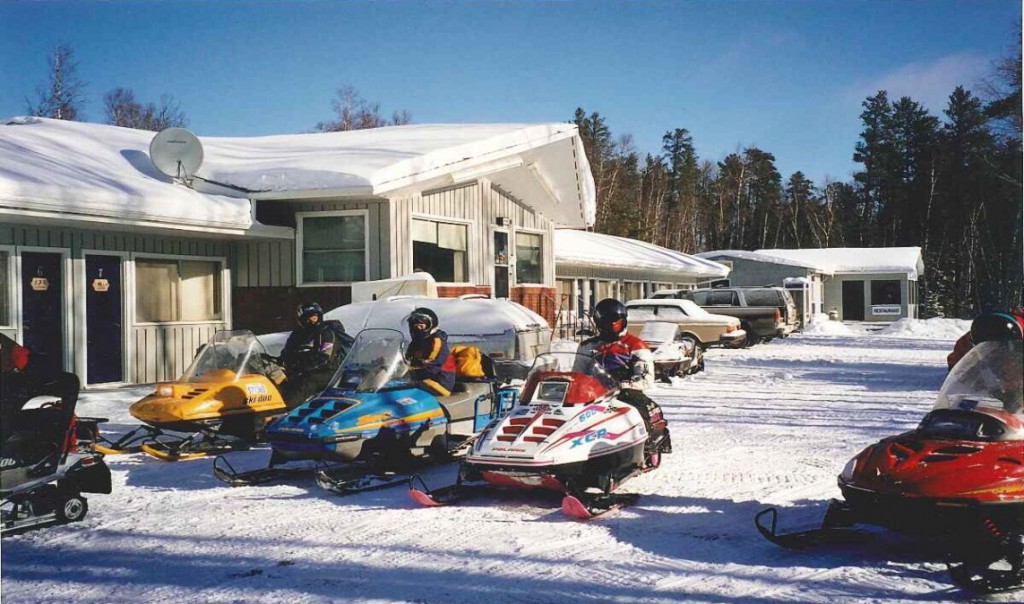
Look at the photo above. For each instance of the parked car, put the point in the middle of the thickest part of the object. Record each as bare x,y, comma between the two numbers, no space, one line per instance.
706,328
764,312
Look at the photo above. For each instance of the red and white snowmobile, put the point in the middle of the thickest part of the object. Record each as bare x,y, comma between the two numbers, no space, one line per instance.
568,433
958,476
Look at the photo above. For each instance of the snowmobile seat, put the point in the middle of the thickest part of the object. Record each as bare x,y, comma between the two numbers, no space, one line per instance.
461,403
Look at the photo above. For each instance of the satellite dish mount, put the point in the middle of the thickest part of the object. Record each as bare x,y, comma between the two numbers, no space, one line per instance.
177,153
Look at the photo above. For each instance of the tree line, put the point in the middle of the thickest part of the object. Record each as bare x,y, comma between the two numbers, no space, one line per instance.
63,94
950,185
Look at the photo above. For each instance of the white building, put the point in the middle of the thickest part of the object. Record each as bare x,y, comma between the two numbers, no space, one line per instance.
118,272
857,284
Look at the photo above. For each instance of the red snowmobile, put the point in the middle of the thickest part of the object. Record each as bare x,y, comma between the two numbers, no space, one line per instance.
958,476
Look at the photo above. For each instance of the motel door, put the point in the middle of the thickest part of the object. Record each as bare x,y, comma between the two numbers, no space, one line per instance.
42,285
502,263
104,341
853,300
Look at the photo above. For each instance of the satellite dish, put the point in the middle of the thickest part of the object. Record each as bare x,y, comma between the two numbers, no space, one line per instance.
176,152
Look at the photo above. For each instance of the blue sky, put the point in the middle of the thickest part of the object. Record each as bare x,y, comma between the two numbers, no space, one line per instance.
785,75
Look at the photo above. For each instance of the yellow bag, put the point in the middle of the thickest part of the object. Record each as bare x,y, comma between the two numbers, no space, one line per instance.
469,362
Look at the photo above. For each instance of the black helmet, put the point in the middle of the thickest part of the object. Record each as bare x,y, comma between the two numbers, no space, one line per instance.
422,316
610,319
305,313
995,326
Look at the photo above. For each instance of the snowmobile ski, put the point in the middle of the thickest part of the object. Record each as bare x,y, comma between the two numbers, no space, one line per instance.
173,448
346,480
585,506
831,531
226,472
127,443
988,578
448,495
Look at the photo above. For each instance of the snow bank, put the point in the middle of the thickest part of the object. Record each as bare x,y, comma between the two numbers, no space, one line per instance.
928,329
820,325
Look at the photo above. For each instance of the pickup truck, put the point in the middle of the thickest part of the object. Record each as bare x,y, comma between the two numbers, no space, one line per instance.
764,312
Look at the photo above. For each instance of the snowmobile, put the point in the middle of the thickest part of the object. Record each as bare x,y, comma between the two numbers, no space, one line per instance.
568,434
47,461
222,402
673,357
958,476
372,422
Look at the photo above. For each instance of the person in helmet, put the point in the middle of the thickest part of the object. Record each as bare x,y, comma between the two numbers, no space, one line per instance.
430,360
629,360
312,354
987,327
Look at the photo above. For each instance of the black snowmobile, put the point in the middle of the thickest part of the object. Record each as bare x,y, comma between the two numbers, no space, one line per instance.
47,459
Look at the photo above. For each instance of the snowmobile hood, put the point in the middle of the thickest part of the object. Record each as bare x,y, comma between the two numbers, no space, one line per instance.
541,435
913,466
199,401
342,415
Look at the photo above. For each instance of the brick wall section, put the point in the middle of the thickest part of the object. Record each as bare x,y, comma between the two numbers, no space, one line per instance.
454,291
541,300
271,309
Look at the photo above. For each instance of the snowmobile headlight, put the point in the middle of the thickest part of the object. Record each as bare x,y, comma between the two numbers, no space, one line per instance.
165,390
847,473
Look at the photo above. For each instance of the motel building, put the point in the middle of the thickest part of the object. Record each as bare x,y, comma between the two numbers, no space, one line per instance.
118,271
848,284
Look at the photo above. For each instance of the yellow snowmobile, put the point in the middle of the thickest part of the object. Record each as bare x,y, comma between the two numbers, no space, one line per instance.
222,403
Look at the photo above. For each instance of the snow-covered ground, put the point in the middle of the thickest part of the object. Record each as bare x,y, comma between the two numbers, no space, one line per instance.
773,424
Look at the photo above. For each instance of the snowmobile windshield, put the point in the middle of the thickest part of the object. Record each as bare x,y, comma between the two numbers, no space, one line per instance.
375,363
228,356
990,376
565,379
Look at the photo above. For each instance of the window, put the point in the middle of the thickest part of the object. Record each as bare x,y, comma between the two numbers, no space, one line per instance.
885,292
605,289
722,298
633,290
333,247
763,297
529,258
701,298
439,248
5,288
177,290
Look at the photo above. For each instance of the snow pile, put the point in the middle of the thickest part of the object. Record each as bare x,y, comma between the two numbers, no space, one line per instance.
928,329
820,325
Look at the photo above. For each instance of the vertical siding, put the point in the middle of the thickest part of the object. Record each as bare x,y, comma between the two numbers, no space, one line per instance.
156,352
481,205
163,352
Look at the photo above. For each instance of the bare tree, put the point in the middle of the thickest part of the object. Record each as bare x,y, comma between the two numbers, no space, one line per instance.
61,96
123,110
352,112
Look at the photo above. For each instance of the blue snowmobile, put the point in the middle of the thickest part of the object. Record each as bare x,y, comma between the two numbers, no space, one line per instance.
373,423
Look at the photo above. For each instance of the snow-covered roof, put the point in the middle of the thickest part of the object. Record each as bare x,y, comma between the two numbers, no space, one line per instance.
94,172
759,257
582,248
542,165
837,259
76,167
